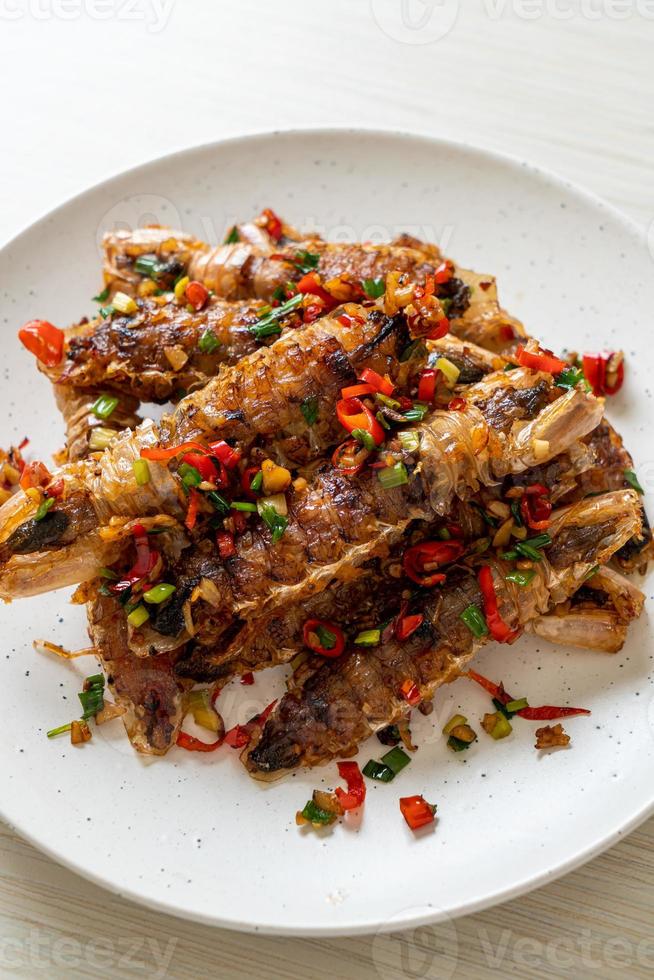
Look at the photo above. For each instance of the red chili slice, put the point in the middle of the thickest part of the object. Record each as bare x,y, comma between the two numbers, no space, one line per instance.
225,543
192,744
444,272
420,561
161,455
239,735
353,414
35,474
311,637
146,559
356,788
495,690
356,391
346,320
193,508
500,631
456,404
225,453
407,625
427,385
383,385
535,507
43,340
596,370
547,712
312,312
273,224
540,361
196,294
247,679
203,464
310,283
416,811
441,328
411,692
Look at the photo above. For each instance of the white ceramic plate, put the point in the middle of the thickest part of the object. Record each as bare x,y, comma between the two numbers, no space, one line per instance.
194,835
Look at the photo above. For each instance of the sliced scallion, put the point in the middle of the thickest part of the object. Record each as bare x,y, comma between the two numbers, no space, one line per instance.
517,705
104,406
59,731
377,770
417,412
521,578
368,638
219,502
103,296
314,814
44,507
309,409
269,324
365,438
396,760
633,481
232,237
275,521
141,471
306,261
393,476
409,440
374,288
159,593
191,477
244,506
257,482
148,266
475,620
138,616
209,343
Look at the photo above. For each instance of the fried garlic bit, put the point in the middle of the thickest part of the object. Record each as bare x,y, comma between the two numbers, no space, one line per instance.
550,736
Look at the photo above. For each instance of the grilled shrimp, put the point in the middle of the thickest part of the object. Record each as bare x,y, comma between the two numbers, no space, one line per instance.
508,425
169,250
347,699
596,617
85,432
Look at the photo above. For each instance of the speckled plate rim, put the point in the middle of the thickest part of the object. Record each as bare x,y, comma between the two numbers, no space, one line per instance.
496,897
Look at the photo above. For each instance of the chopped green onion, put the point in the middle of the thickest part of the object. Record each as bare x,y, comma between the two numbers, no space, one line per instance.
385,400
59,731
417,412
417,346
376,770
382,421
365,438
124,304
457,744
448,369
570,378
306,261
314,814
517,516
44,507
141,471
257,482
104,406
100,438
275,521
368,638
633,481
149,266
374,288
502,727
243,505
107,573
513,706
501,708
453,723
539,541
474,619
232,237
103,296
138,616
509,555
92,699
326,637
521,578
269,324
219,502
527,551
396,760
106,311
393,476
159,593
409,440
209,343
309,409
191,477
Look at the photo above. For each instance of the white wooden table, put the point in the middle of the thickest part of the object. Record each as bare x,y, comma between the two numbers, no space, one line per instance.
91,87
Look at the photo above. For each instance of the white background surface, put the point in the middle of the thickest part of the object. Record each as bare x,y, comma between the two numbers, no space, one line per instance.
84,97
